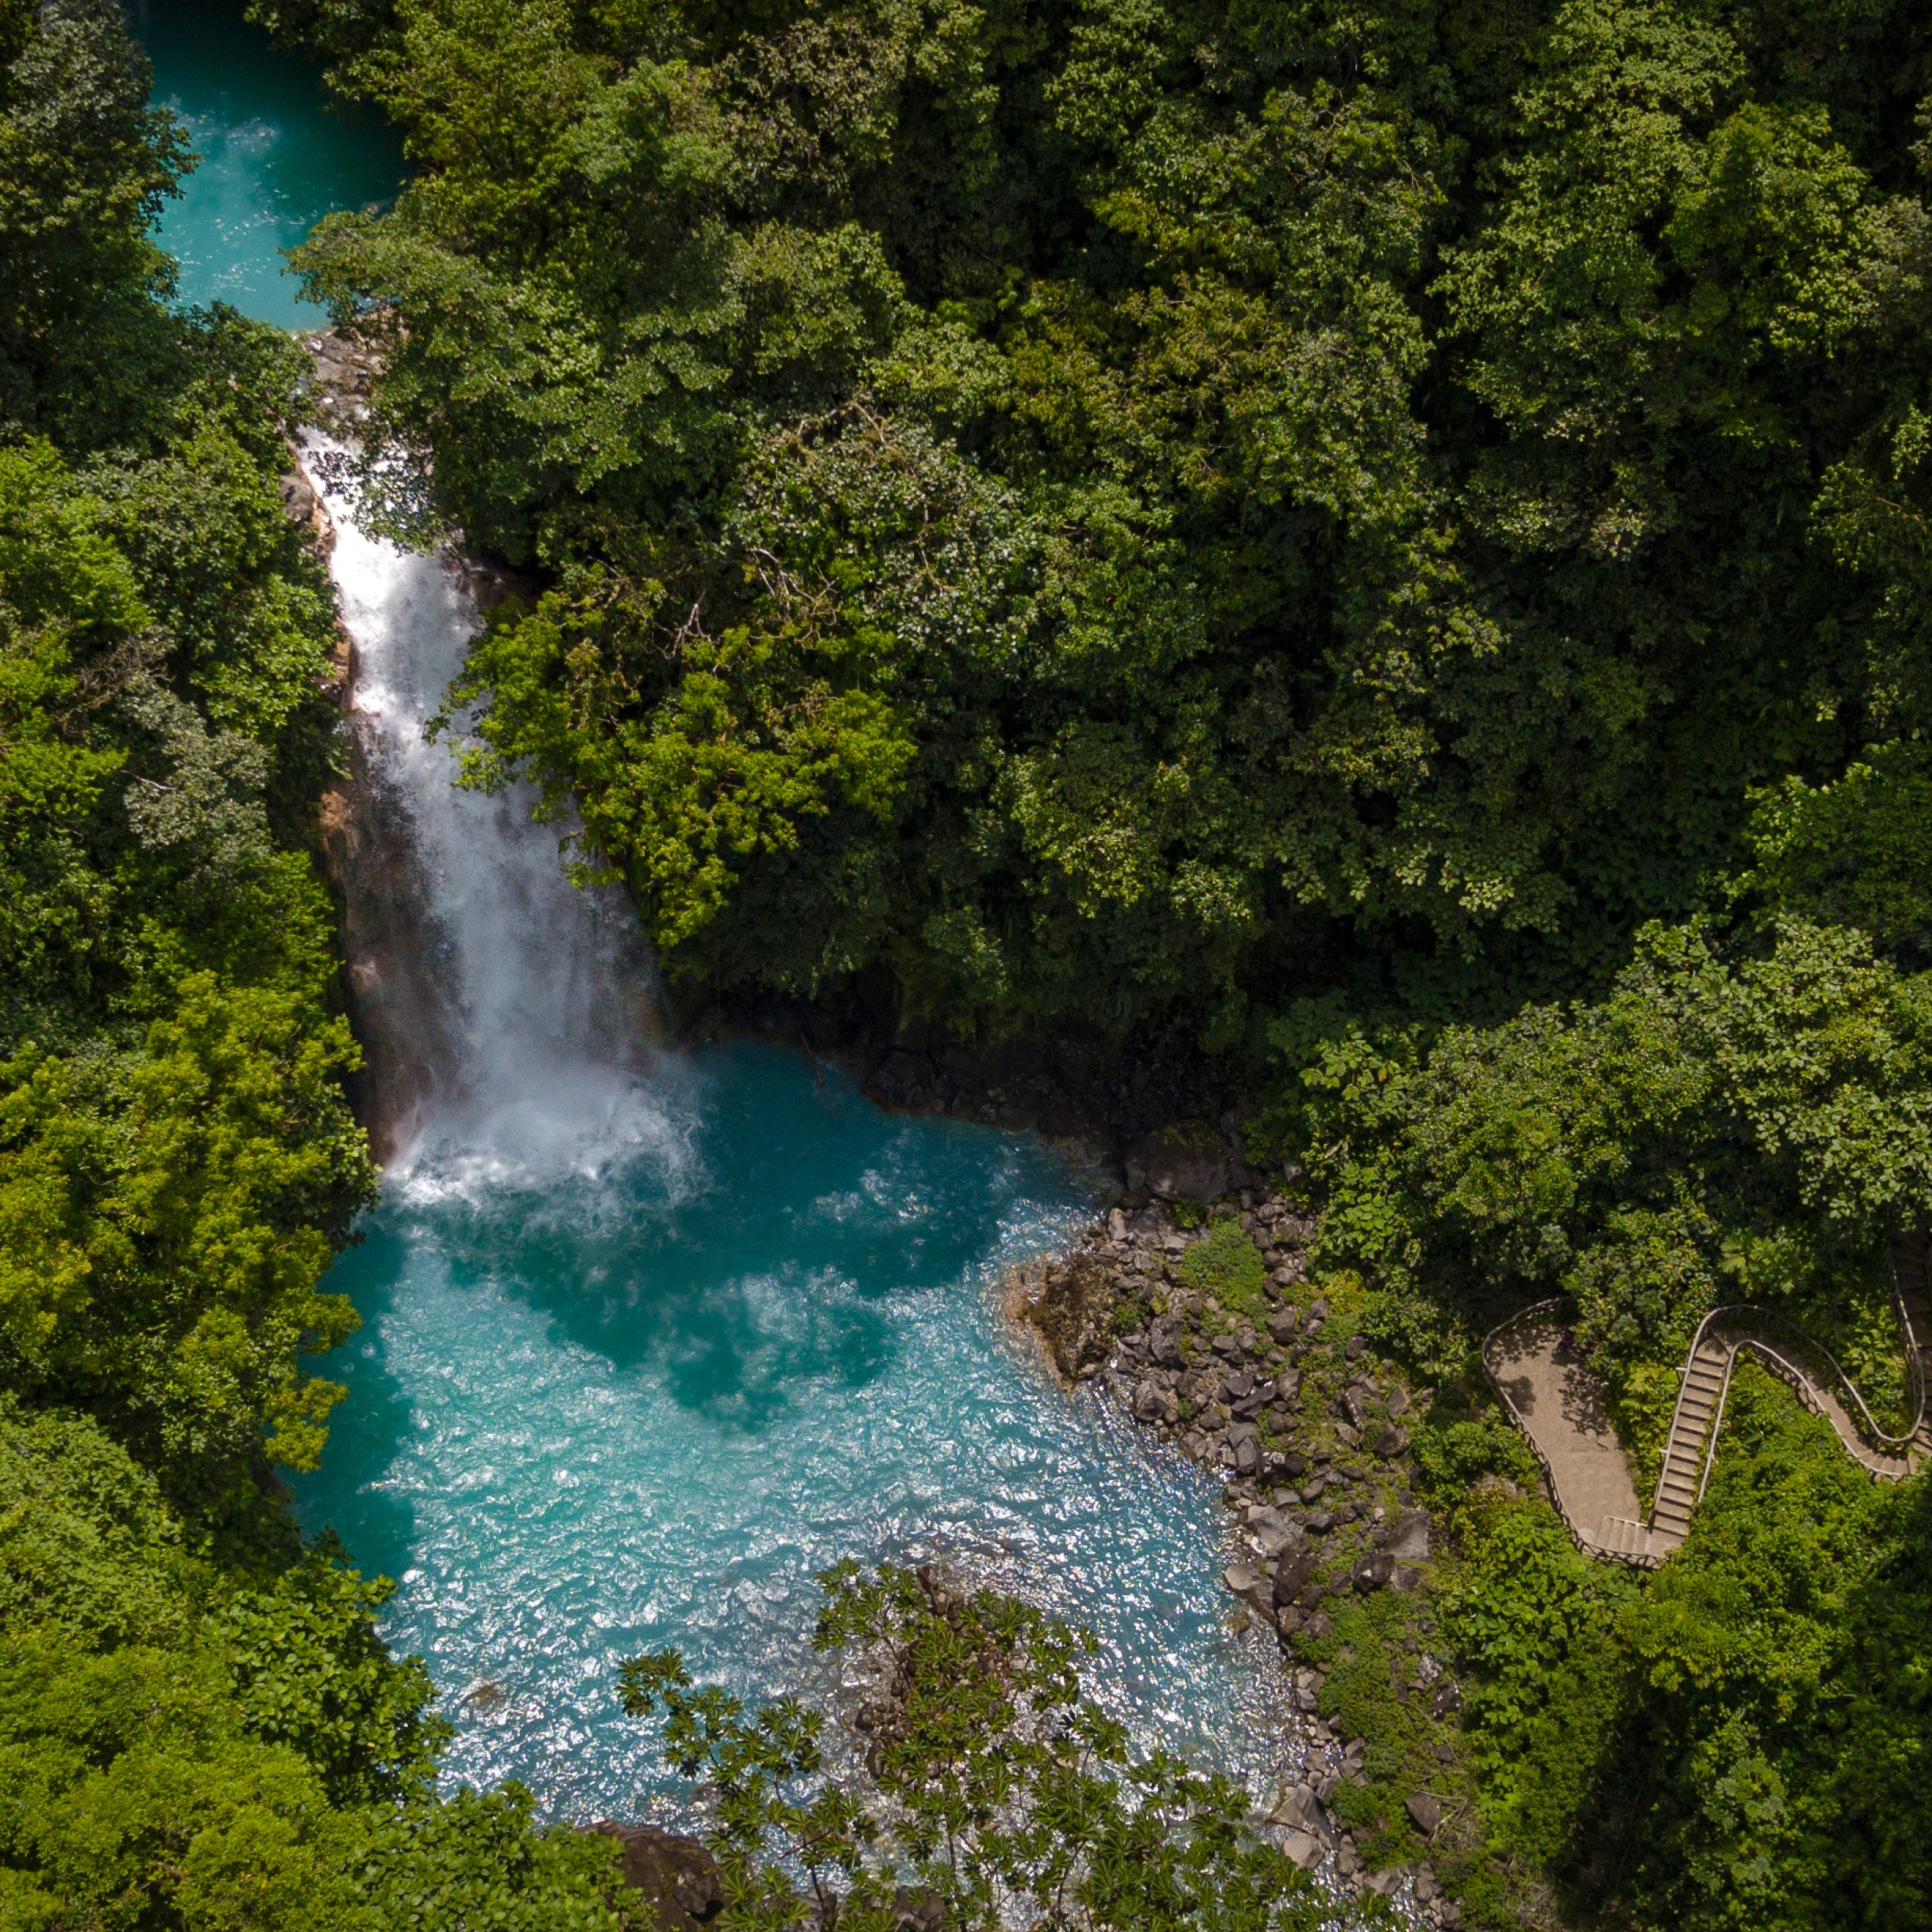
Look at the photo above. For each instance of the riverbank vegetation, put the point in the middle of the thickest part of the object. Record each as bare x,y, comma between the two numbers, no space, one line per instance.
998,1797
1387,544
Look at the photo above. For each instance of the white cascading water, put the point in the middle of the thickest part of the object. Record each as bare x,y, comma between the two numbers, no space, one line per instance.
522,1004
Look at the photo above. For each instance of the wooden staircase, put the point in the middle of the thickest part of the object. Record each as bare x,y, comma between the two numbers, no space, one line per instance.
1911,1288
1628,1542
1692,1431
1690,1446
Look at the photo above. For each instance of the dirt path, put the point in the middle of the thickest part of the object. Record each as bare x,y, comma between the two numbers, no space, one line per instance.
1555,1399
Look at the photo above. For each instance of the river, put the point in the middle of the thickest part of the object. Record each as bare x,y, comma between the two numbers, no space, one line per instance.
651,1337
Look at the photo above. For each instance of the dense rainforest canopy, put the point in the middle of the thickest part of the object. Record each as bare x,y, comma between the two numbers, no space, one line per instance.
201,1729
1111,513
1384,543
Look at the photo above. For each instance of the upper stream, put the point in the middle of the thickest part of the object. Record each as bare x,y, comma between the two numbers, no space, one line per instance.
272,162
651,1337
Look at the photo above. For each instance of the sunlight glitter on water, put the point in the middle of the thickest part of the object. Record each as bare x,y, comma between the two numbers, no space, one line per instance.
590,1417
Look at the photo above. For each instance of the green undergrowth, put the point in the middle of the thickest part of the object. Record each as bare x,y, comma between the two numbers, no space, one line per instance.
1225,1264
1406,1672
1649,1749
1612,1747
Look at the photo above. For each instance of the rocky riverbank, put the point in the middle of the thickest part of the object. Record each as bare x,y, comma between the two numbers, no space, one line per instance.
1205,1326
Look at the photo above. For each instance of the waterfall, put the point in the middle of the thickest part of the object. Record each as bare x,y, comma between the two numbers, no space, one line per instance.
508,1016
652,1339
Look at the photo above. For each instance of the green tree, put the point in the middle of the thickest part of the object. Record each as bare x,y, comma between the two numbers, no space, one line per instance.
999,1789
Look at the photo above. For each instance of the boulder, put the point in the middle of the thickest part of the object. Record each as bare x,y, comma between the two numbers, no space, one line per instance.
1303,1847
1187,1161
1277,1538
1408,1539
1374,1571
677,1876
1291,1576
1071,1304
1426,1809
1247,1582
1295,1806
